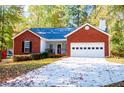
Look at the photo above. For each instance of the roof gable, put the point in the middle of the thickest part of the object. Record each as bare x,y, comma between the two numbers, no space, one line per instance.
25,31
84,26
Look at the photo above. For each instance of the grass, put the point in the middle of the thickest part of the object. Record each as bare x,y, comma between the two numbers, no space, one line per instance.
10,70
117,84
116,60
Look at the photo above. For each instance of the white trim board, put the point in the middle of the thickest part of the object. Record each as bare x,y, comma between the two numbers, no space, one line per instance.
42,45
84,26
55,40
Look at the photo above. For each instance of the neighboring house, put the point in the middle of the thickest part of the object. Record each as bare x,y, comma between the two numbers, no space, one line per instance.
85,41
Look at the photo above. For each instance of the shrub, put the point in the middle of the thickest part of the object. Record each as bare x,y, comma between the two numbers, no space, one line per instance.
36,56
51,55
49,51
56,55
44,55
22,58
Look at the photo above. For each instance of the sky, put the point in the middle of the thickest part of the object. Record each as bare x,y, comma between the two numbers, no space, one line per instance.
26,13
26,8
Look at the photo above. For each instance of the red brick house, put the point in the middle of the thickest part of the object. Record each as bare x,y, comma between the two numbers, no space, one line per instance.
85,41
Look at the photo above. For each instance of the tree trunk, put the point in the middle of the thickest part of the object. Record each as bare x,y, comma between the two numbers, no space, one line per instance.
78,16
2,30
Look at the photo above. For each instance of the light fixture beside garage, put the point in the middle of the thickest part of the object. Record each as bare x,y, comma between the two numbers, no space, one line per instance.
87,27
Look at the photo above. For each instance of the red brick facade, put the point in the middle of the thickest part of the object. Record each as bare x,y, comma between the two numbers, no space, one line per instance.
91,35
27,35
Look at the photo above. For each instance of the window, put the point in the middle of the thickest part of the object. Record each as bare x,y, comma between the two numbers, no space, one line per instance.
81,48
77,47
101,47
97,47
27,47
85,48
51,48
88,47
73,47
93,48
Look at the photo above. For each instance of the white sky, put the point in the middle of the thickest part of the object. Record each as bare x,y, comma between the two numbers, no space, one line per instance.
26,14
26,8
61,2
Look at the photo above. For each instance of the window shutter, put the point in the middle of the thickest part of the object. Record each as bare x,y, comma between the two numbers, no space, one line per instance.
30,46
23,46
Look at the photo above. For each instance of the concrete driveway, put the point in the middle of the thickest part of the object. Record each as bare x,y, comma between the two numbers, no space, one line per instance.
72,72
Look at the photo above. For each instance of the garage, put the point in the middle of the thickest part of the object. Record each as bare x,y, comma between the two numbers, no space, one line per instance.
87,41
87,49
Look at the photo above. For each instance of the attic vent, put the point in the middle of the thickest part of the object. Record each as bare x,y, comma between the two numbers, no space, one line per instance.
87,27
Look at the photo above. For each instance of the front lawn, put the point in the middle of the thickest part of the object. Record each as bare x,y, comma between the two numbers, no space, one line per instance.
116,60
10,70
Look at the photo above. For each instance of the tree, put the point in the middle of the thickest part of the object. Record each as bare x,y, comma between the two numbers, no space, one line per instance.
10,16
99,12
77,15
58,16
117,30
48,16
114,16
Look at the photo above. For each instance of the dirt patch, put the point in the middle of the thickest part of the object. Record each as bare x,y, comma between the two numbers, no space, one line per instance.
118,84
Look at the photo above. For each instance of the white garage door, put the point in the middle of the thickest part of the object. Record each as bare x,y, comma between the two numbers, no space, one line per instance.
87,49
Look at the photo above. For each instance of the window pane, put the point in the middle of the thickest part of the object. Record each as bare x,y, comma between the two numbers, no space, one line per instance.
88,47
73,47
51,46
27,50
97,47
81,48
93,48
77,48
27,44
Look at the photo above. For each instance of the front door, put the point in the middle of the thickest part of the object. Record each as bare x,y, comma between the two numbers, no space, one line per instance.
59,49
